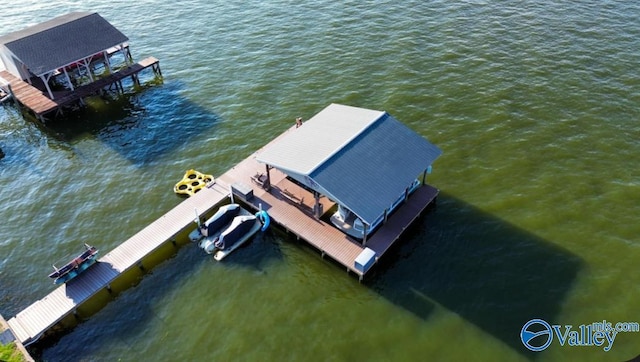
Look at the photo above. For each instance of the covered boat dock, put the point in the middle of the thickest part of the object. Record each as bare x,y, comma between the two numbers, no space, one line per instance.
366,162
57,63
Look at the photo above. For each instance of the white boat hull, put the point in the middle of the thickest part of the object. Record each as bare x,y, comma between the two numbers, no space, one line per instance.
207,243
222,253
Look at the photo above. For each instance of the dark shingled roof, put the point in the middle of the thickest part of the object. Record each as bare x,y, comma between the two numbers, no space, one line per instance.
62,41
373,170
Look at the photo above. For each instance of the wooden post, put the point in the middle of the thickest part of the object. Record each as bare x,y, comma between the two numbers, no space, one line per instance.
317,206
156,69
127,55
11,92
267,182
134,78
424,177
364,238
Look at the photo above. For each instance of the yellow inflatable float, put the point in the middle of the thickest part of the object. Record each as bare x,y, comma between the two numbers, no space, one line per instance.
192,182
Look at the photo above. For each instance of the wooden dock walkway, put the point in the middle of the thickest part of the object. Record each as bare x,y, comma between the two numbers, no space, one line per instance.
28,95
40,104
288,204
32,322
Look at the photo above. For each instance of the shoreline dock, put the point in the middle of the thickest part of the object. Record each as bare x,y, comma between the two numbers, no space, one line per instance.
289,205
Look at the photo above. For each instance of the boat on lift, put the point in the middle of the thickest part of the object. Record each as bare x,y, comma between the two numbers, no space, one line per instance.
229,228
216,223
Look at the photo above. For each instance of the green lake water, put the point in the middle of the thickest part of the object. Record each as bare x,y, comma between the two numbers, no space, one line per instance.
534,104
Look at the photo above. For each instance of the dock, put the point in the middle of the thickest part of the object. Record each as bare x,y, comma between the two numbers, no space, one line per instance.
37,102
290,205
31,323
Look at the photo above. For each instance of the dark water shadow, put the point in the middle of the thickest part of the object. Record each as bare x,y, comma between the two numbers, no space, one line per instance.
124,315
257,252
77,288
492,273
141,126
129,314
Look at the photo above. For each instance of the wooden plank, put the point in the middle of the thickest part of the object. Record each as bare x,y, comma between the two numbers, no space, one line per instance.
28,95
295,217
34,320
401,219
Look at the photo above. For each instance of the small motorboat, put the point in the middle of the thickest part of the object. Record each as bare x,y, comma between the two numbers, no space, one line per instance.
240,230
76,266
230,235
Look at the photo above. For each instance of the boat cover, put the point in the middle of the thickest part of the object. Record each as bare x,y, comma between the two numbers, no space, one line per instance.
221,218
239,227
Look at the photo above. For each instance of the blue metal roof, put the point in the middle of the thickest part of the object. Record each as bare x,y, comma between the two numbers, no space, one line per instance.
368,174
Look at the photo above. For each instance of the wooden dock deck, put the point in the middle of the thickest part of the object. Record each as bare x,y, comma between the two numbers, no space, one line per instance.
29,324
288,204
40,104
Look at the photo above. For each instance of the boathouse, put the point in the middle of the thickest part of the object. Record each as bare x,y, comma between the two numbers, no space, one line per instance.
364,160
62,60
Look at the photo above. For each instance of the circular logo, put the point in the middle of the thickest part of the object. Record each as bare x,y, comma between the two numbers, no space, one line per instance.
536,335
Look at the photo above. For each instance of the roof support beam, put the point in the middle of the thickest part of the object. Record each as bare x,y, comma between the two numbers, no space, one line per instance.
66,74
107,62
45,80
86,62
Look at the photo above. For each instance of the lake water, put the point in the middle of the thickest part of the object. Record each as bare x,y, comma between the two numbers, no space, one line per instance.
534,104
